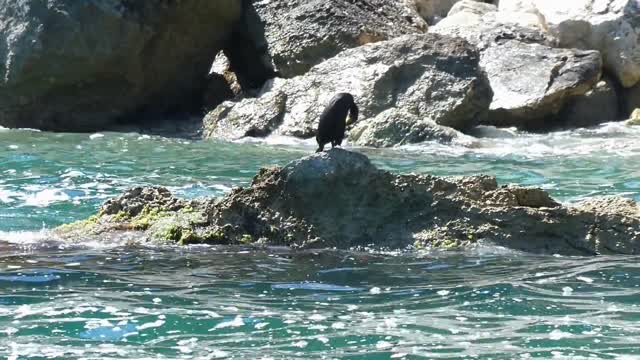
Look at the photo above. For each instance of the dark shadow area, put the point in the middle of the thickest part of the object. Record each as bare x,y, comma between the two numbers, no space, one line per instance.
248,51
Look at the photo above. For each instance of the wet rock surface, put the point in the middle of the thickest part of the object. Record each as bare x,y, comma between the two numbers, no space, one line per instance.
340,199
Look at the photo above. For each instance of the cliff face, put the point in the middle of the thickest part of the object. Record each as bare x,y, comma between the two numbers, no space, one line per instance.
83,65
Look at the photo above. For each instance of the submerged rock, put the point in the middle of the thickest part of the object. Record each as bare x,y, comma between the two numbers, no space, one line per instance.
82,65
430,76
340,199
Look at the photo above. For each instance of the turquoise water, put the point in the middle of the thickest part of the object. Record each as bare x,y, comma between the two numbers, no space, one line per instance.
117,301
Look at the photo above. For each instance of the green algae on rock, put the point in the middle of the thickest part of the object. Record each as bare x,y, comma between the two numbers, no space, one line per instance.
340,199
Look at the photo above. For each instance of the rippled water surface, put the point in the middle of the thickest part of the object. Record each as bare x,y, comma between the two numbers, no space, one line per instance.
107,301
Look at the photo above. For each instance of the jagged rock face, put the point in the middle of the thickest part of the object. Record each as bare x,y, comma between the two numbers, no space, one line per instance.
340,199
302,33
609,26
427,75
532,81
81,65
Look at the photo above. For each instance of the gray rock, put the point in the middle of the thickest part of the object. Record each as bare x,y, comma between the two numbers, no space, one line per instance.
257,118
432,10
430,76
611,27
483,26
340,199
532,83
598,105
299,34
398,127
81,65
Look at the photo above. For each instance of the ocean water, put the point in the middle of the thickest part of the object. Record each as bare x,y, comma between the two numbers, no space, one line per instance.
105,300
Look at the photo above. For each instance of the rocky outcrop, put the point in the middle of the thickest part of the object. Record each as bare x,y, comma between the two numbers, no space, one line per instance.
611,27
339,199
427,75
532,81
298,34
81,65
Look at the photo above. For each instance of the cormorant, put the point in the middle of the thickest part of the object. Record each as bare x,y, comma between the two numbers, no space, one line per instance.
333,120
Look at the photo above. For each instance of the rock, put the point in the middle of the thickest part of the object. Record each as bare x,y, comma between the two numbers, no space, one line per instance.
397,127
222,67
611,27
217,91
430,76
257,118
532,83
598,105
634,120
432,10
340,199
631,99
83,65
299,34
482,25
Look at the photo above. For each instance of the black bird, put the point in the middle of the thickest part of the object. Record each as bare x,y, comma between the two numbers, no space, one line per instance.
333,120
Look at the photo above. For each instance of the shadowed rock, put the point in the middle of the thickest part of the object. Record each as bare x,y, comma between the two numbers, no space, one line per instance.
340,199
84,65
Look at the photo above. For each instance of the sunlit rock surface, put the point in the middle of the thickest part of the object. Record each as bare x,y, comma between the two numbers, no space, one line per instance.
433,77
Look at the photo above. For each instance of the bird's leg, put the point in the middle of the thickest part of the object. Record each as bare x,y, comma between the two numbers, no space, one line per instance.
333,144
320,148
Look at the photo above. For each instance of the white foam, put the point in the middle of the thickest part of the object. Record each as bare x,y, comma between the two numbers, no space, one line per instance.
46,197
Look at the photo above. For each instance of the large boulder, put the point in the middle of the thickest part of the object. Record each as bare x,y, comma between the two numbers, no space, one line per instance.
81,65
299,34
340,199
611,27
427,75
532,81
